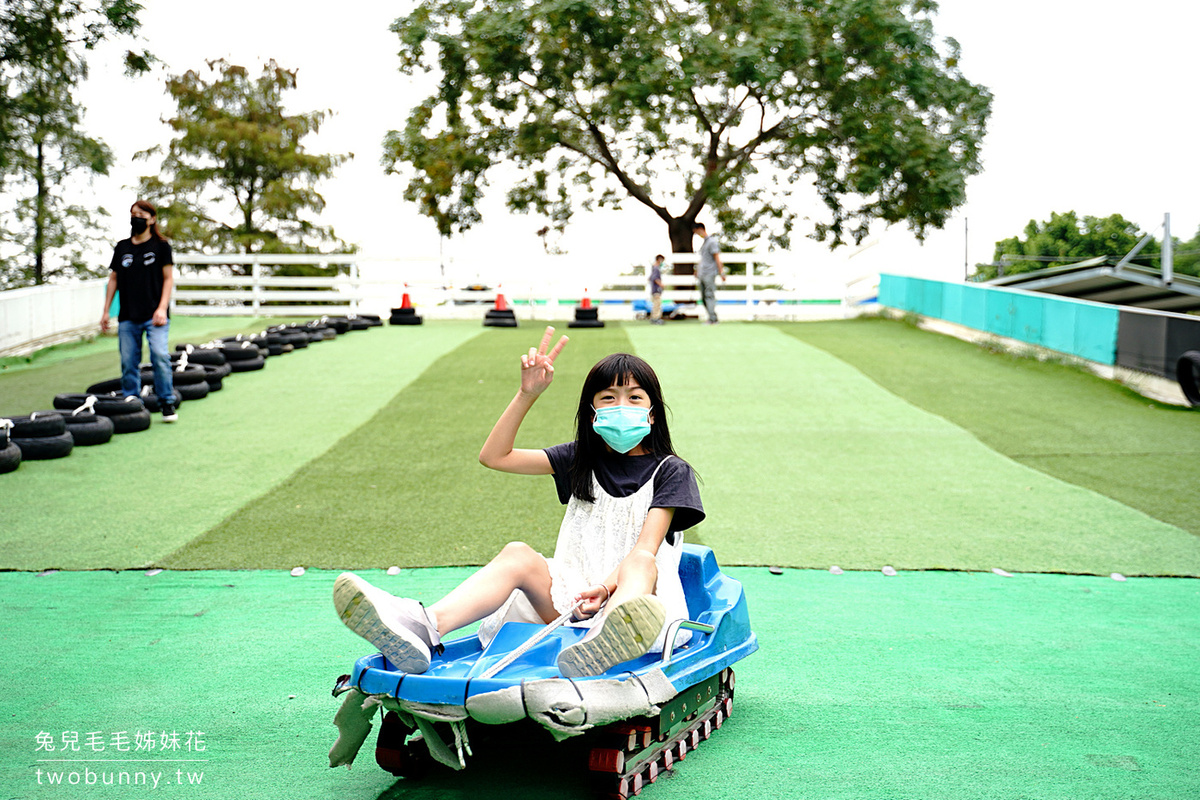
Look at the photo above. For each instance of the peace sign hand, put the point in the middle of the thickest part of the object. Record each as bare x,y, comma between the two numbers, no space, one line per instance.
537,366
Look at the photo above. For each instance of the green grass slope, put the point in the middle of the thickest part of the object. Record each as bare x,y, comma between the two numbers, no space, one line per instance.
1056,419
407,488
807,462
143,495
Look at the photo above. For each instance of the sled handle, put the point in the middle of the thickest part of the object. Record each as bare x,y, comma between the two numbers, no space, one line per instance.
673,631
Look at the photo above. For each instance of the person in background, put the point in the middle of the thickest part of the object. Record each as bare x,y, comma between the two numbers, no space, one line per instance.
142,271
707,270
656,288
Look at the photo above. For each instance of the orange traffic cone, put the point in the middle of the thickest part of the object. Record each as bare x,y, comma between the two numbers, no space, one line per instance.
501,316
405,314
586,315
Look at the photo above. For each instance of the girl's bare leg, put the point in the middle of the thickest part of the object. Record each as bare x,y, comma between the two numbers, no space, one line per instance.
517,566
637,576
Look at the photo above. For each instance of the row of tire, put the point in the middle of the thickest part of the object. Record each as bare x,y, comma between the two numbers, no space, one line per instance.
94,416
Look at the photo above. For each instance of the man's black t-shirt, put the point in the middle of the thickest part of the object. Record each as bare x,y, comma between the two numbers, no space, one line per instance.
139,269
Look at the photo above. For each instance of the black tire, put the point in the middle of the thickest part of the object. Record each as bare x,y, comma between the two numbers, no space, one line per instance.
586,323
587,314
192,373
358,324
411,319
213,376
240,351
90,429
105,387
248,365
339,324
37,425
10,458
131,423
106,404
258,339
209,356
193,391
321,330
1187,370
42,448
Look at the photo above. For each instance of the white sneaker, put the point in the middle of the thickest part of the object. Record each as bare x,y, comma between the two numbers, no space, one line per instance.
627,632
403,630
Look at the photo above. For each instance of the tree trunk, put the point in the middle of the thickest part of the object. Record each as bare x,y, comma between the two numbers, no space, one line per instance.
39,222
680,232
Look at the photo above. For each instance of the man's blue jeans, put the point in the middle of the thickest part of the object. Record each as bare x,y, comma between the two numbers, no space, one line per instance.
130,336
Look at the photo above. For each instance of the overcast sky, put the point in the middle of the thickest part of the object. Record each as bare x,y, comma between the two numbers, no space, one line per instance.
1094,111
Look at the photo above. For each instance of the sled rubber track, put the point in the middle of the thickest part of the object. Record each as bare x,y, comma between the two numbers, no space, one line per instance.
635,753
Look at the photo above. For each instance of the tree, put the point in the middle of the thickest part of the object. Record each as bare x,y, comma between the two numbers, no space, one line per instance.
1187,256
1066,239
237,175
733,106
42,143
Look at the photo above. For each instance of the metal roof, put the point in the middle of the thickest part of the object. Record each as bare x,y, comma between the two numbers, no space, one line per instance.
1100,280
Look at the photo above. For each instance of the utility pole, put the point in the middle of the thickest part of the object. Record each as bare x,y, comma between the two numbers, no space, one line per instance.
966,248
1168,251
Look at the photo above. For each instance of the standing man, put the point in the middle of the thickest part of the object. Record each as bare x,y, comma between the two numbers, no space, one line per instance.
656,288
707,270
142,272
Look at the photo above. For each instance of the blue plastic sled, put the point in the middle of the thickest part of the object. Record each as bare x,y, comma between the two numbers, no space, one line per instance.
656,707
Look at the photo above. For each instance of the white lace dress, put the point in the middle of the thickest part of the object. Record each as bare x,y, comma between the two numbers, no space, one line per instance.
593,540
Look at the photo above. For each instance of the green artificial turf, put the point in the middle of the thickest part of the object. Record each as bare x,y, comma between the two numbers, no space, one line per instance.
362,452
143,495
807,462
920,686
407,488
1055,418
29,383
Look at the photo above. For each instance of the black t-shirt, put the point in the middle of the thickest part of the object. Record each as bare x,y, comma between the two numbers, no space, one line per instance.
139,269
621,475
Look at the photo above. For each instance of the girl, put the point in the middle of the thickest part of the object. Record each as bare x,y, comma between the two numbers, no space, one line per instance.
616,563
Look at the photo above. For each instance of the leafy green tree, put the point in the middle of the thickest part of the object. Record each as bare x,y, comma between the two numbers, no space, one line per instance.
1187,256
1067,239
43,147
236,177
738,107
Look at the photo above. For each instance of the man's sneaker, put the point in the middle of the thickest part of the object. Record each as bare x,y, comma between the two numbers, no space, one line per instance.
403,630
626,632
169,414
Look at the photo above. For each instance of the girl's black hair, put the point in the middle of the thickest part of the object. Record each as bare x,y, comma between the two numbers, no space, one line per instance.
148,207
617,370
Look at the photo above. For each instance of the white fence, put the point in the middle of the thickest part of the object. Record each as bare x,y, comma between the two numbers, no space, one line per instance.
39,316
373,286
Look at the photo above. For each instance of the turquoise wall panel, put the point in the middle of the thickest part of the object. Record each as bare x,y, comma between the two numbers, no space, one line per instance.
1077,327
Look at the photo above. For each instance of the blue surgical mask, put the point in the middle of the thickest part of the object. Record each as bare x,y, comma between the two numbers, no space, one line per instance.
622,427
